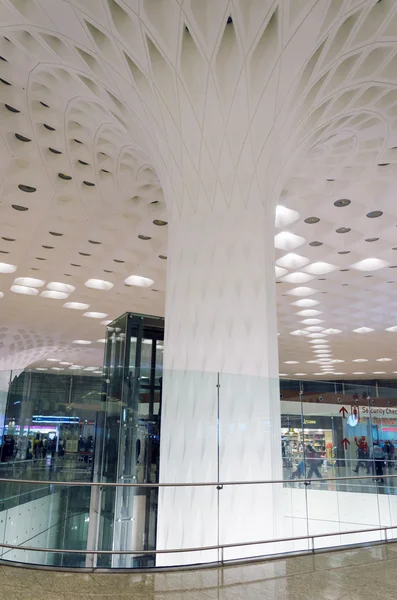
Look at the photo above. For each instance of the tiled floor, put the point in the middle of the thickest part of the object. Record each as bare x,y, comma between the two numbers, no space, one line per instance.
363,574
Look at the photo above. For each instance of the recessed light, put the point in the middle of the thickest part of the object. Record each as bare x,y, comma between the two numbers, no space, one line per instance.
55,233
344,252
62,362
384,359
144,237
95,315
309,313
23,289
302,291
57,369
312,321
54,295
29,281
305,302
94,242
300,374
372,240
392,329
343,230
76,305
99,284
360,360
159,222
374,214
359,373
370,264
291,362
139,281
378,372
162,256
363,330
6,268
292,261
19,207
299,332
27,188
288,241
342,202
320,268
101,341
41,369
315,244
297,277
56,286
282,375
53,359
311,220
332,331
82,342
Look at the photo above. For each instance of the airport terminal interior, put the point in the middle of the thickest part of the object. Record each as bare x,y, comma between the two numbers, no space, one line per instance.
198,299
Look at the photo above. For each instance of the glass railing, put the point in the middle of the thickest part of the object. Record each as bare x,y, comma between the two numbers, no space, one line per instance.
61,527
89,480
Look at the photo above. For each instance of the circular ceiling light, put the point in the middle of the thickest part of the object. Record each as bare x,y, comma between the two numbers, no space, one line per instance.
315,244
56,286
159,223
360,360
344,252
342,202
82,343
23,289
95,315
332,331
312,220
392,329
19,207
374,214
384,359
363,330
6,268
291,362
55,233
343,230
29,281
99,284
139,281
372,239
62,362
144,237
54,295
76,305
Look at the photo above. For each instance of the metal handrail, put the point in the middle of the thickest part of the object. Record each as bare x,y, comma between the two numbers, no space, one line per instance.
200,548
195,484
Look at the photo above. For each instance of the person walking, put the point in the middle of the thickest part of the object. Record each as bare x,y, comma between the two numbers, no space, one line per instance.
314,461
362,455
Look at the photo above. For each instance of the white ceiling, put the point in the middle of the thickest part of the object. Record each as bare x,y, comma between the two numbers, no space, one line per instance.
78,74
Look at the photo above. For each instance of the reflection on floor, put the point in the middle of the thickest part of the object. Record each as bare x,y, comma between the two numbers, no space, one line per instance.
360,574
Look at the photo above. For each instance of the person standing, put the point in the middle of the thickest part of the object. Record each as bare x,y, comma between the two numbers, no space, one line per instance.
378,456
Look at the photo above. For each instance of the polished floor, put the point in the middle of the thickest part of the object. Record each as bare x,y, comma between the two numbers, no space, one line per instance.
360,574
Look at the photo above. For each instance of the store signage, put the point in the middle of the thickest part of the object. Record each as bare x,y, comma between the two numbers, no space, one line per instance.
378,411
54,419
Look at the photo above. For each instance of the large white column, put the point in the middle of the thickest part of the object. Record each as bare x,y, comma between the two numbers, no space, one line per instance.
220,319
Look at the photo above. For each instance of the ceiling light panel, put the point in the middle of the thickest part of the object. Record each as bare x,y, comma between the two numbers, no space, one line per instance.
370,264
292,261
95,315
288,241
320,268
29,282
6,268
302,291
99,284
297,277
76,305
23,289
139,281
54,295
285,217
56,286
